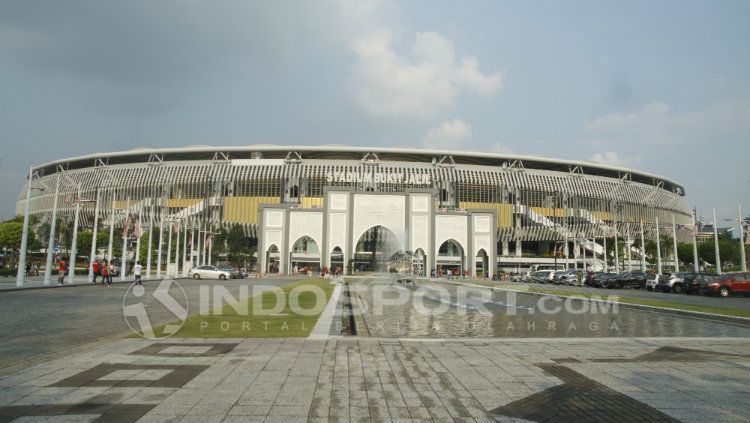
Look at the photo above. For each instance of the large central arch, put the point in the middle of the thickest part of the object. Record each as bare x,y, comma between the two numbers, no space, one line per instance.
374,248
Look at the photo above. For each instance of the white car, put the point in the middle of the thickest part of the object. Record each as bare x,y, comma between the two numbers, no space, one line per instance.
651,282
209,272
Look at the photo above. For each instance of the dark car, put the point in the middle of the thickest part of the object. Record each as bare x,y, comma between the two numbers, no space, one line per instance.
692,282
671,282
598,279
634,279
729,284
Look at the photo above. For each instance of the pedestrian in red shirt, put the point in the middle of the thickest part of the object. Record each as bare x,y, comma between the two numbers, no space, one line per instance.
61,275
95,269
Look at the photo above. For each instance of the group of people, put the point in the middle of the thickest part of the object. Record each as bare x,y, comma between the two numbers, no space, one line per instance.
104,269
32,269
107,269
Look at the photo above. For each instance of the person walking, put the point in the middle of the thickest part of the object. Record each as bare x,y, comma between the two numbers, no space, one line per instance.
28,269
110,272
61,269
105,272
95,267
137,272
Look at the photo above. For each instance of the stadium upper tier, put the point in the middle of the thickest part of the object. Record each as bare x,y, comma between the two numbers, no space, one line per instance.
534,197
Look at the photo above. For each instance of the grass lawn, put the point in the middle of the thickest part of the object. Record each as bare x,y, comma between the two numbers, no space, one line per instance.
226,322
726,311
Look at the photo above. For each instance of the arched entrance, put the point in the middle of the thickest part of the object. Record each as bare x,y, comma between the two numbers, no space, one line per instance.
305,256
374,249
482,263
420,262
337,259
450,258
272,259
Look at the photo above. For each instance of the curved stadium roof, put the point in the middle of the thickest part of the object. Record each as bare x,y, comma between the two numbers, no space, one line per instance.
340,152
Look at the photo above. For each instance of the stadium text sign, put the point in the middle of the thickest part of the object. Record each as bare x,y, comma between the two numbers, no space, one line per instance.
379,177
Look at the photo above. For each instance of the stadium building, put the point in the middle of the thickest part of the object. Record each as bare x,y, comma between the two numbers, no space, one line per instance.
350,207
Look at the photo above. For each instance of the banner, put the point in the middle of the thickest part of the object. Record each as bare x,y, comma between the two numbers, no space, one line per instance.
126,226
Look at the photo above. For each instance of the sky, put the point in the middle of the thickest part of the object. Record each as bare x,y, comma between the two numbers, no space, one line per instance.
659,86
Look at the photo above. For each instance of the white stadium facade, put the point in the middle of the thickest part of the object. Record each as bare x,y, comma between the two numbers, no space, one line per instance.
350,207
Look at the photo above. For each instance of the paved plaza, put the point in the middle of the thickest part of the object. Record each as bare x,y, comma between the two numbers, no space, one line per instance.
377,380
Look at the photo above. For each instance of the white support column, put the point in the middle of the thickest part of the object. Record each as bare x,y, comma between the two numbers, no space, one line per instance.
203,245
161,243
21,274
505,249
643,249
674,246
74,244
716,245
184,256
52,228
124,259
150,238
617,253
566,250
210,247
169,249
176,269
658,248
92,254
743,259
629,247
197,248
519,252
111,228
606,259
138,235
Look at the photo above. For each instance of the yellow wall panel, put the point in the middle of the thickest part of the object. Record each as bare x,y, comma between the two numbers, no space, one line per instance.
245,209
504,211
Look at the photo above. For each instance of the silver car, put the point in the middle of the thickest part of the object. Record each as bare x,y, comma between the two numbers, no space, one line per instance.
209,272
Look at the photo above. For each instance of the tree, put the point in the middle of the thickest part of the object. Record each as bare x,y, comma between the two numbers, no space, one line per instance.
11,232
685,252
233,242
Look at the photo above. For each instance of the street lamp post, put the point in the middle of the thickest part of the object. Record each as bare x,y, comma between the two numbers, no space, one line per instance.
21,274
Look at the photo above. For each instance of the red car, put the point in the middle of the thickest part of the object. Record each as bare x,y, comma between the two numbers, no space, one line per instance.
728,284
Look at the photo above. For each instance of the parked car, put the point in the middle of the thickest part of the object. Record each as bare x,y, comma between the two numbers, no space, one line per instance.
692,282
234,272
652,281
634,279
543,276
566,277
671,282
209,272
729,284
598,279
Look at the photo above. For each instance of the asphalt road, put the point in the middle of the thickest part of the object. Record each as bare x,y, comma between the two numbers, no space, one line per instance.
38,322
737,302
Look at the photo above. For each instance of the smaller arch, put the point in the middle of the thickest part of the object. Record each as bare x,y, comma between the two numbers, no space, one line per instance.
272,259
481,263
450,258
304,255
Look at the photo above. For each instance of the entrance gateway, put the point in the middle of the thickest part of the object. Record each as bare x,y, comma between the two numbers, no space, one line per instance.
357,230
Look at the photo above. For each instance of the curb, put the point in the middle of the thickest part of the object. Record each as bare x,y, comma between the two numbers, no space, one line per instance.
744,321
68,285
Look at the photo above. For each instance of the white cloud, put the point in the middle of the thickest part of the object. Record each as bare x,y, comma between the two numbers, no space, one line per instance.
421,83
448,135
657,123
612,158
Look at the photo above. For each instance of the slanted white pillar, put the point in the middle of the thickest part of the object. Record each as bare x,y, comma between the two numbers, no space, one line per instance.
74,244
126,224
92,255
52,228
